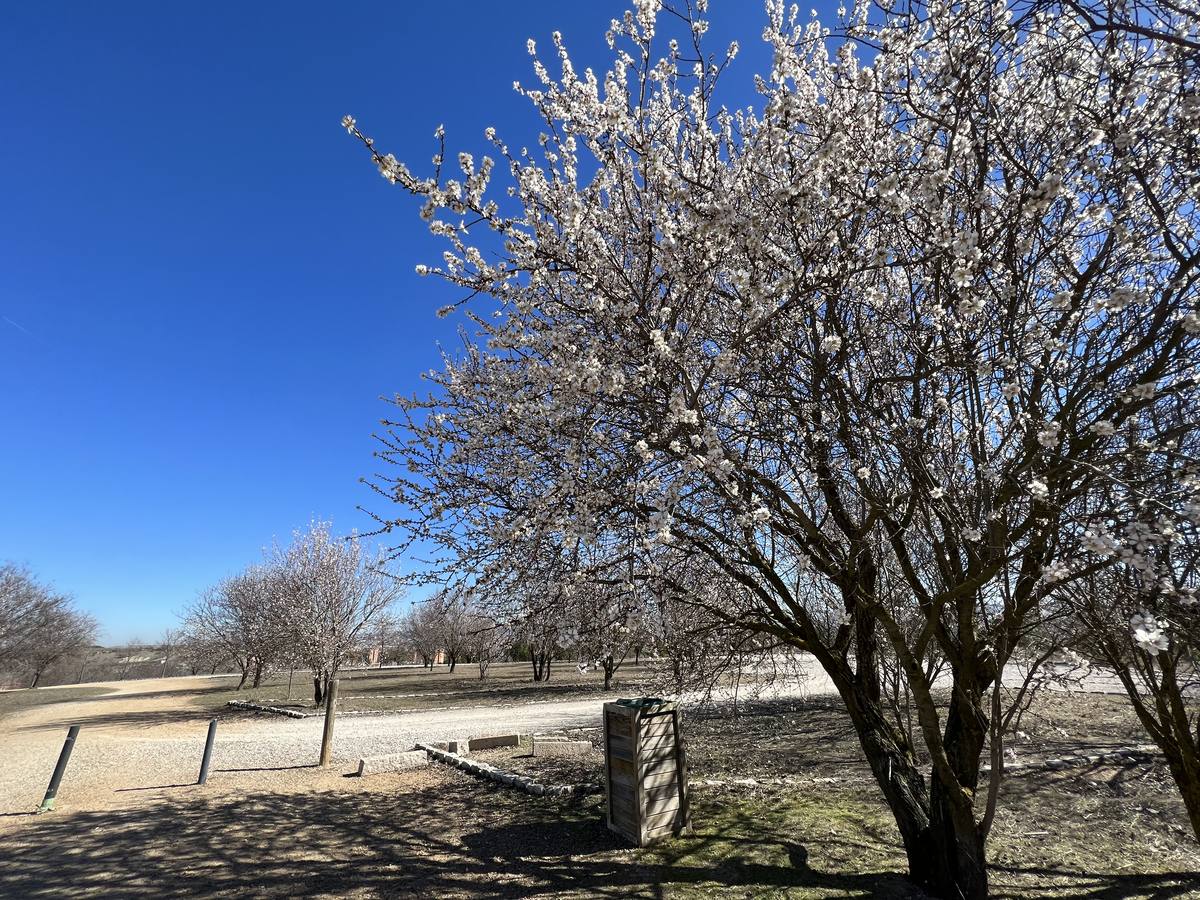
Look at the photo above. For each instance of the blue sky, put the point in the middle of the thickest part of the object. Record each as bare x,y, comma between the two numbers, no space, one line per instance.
205,286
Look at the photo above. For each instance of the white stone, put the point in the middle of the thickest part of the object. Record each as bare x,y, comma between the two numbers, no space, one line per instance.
393,762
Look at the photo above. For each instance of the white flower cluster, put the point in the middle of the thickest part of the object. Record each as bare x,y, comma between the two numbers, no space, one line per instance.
1149,633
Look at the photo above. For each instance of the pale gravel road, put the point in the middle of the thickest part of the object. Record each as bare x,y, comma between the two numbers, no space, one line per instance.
132,740
146,735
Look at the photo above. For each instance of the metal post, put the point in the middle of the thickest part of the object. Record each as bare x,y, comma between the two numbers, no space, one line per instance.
56,778
330,711
208,745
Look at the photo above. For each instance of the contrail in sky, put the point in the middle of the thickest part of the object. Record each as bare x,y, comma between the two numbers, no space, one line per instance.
16,325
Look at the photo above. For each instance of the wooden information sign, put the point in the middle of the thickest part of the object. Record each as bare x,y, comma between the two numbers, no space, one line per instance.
645,776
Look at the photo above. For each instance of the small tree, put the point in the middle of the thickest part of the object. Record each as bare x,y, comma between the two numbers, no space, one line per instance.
199,652
333,591
21,596
1147,630
486,639
39,626
59,631
451,617
241,618
421,632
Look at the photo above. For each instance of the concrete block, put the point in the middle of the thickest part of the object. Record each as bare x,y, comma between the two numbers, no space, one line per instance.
393,762
458,747
493,741
561,748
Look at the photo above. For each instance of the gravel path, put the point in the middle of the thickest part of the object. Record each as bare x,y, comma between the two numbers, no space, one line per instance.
145,735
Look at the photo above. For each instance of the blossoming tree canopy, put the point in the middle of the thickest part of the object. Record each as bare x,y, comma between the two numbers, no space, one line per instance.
885,351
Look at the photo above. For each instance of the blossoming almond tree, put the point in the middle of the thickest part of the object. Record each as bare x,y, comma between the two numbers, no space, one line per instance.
333,590
1141,617
873,351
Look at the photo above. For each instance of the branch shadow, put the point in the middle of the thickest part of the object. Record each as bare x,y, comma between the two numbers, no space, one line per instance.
136,718
1090,886
272,768
400,844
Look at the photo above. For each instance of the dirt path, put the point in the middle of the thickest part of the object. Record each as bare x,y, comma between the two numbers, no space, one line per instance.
149,735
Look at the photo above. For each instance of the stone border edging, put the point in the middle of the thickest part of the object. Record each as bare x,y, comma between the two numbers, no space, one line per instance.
277,710
1069,762
508,779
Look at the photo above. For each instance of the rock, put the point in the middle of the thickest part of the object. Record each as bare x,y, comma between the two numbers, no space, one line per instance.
393,762
493,741
542,747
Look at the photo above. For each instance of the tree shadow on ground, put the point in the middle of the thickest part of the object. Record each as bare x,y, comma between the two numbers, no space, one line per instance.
136,718
403,844
456,839
1089,886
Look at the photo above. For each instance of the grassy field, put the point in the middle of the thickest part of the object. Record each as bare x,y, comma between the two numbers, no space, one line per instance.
16,701
410,689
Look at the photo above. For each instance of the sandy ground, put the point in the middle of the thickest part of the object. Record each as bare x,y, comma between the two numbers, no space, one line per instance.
149,735
145,735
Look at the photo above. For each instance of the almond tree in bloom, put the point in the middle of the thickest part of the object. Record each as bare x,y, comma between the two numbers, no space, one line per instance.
242,618
421,632
1140,617
333,590
875,350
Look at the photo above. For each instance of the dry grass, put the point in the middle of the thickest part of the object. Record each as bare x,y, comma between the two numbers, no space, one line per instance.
413,689
17,701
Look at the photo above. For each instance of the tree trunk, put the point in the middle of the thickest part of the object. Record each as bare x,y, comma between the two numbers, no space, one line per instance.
1187,779
245,675
942,840
258,674
37,676
318,690
453,661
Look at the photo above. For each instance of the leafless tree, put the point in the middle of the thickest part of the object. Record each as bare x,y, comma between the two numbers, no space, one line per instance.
242,618
20,597
421,632
39,626
486,639
58,632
